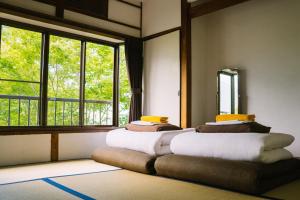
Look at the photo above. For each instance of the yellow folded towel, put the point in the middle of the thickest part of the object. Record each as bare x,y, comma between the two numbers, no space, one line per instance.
158,119
239,117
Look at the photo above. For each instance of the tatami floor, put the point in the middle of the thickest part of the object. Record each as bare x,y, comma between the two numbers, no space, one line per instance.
89,180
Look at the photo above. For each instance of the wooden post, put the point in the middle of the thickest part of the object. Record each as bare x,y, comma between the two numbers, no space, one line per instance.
185,66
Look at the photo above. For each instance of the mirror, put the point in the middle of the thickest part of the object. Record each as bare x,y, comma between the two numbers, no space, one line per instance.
228,96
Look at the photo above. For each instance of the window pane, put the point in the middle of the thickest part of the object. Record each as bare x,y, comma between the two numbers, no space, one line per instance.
20,54
99,84
19,61
63,81
225,94
125,92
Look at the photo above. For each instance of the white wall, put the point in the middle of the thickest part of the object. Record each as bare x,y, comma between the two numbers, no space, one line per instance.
262,37
162,77
79,145
124,13
198,72
23,149
160,15
162,59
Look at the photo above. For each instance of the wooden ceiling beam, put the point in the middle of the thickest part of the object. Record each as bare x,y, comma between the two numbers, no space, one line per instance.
212,6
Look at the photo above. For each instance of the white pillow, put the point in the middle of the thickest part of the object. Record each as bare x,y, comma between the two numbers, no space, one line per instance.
277,140
274,156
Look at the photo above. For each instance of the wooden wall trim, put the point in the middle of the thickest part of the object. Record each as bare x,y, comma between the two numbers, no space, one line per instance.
130,4
59,10
50,130
141,20
21,12
123,24
161,33
212,6
51,31
82,83
185,66
54,147
44,79
60,7
116,87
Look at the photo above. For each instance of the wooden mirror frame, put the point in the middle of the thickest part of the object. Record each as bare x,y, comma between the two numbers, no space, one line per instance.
232,72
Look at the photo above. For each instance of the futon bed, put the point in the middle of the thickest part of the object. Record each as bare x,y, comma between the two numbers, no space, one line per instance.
242,176
126,159
247,162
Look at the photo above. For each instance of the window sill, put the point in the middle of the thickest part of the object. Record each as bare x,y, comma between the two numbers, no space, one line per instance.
49,130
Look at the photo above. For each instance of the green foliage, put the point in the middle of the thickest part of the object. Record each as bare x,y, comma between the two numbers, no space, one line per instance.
99,72
64,68
20,60
63,80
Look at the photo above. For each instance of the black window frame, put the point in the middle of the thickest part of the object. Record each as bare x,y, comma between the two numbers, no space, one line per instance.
46,32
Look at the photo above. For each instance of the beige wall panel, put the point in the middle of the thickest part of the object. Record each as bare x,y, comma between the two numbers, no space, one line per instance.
55,27
162,77
198,71
160,15
32,5
79,145
135,2
23,149
262,38
121,12
77,17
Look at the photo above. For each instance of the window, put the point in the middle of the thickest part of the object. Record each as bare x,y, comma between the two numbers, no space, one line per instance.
125,92
99,76
19,77
63,81
80,77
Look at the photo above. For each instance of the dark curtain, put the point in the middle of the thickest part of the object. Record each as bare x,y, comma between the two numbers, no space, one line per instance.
134,60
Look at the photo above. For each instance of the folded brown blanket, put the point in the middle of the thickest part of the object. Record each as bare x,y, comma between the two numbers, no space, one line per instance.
125,158
152,128
234,128
249,177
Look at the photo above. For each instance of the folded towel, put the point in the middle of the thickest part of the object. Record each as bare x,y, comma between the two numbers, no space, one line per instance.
233,146
143,123
239,117
244,127
152,128
230,122
159,119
